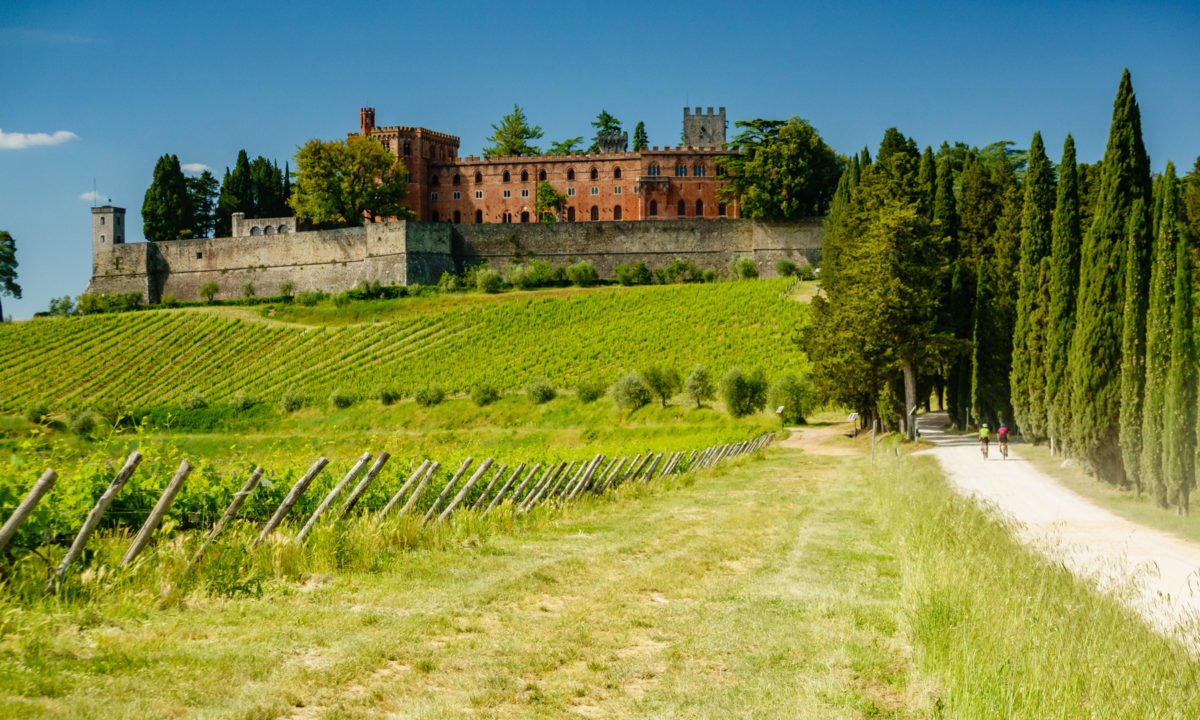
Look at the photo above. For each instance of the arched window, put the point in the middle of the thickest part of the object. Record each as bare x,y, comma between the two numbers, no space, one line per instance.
283,228
256,230
507,217
720,170
478,217
617,212
457,217
570,214
101,237
524,176
407,149
571,173
433,180
681,170
269,230
542,175
699,171
595,173
507,177
654,170
682,208
653,208
699,208
721,209
457,179
478,177
595,213
524,216
617,173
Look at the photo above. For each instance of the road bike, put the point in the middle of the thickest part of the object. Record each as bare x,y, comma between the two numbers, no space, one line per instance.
1003,449
983,448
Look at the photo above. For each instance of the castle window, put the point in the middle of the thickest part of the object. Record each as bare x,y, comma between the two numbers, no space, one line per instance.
682,209
283,228
434,216
595,173
256,230
699,171
525,216
617,173
478,194
101,238
721,209
101,219
433,196
507,217
617,213
681,171
571,192
508,193
595,190
457,217
571,173
653,208
407,149
617,190
478,177
118,219
408,178
457,195
478,217
699,208
457,179
269,230
525,192
524,176
118,240
507,176
570,214
199,256
653,170
433,180
595,212
542,175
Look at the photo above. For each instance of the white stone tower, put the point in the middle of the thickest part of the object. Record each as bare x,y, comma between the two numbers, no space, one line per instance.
704,129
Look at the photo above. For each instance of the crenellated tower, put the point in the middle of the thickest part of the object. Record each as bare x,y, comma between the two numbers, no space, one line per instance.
704,129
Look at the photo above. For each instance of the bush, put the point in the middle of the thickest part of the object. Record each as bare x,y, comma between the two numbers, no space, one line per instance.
292,400
540,391
248,290
680,271
631,392
662,381
169,300
808,272
94,303
81,421
533,274
794,394
243,400
388,395
38,412
590,391
429,395
710,275
583,273
786,268
488,280
341,399
636,274
373,290
484,394
193,401
342,299
209,290
308,298
62,306
449,282
743,268
698,388
287,288
744,394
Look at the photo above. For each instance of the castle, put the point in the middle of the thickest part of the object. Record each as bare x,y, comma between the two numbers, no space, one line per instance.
652,206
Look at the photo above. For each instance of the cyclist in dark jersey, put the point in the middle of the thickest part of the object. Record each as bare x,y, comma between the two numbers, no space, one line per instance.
1002,439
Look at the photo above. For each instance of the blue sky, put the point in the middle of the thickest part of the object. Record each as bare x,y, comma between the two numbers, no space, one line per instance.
128,82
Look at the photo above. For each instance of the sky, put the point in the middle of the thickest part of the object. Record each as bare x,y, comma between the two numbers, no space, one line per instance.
92,93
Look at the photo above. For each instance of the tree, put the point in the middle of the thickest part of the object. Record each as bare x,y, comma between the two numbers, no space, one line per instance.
549,204
565,147
793,393
663,381
267,197
512,136
743,394
8,269
698,387
783,170
1028,377
1179,413
1159,326
641,141
927,180
347,181
209,290
1133,339
1095,359
631,392
1066,242
167,206
237,194
1191,200
605,124
202,192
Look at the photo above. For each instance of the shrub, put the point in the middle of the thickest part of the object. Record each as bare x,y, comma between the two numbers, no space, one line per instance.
109,412
743,394
292,400
484,394
342,299
635,274
488,280
786,268
388,395
662,381
710,275
429,395
533,274
743,268
449,282
583,273
209,290
243,400
540,391
590,391
680,271
62,306
808,272
698,388
631,392
38,412
341,398
287,288
93,303
309,298
81,421
794,394
193,401
169,300
248,290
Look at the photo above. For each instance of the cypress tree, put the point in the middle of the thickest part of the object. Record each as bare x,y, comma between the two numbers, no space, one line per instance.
1133,339
1064,287
1191,201
1095,359
927,181
1036,213
985,401
1006,245
1179,415
945,209
167,205
1159,323
640,140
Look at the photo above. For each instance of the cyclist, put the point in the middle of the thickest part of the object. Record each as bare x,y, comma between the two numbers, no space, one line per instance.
984,436
1002,439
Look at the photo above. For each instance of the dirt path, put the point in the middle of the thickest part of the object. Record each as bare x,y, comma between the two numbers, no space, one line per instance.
1155,572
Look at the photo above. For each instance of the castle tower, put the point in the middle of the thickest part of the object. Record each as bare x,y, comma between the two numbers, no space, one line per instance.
366,121
704,129
108,228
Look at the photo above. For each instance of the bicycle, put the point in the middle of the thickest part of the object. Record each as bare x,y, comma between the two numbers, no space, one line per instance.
983,448
1003,449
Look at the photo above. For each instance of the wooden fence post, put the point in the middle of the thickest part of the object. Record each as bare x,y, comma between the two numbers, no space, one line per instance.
599,475
446,490
156,515
337,489
535,494
361,488
500,495
611,474
520,492
483,468
574,480
93,517
414,477
40,488
488,490
292,497
430,473
230,512
567,478
573,492
653,466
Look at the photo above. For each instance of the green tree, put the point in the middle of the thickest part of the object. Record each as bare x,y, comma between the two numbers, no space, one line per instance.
202,192
1179,413
266,189
631,392
1159,325
512,136
549,204
1066,243
1133,339
782,170
640,140
605,123
347,181
1028,377
663,381
927,180
743,393
698,387
1191,200
1095,359
167,206
8,269
209,290
793,393
569,146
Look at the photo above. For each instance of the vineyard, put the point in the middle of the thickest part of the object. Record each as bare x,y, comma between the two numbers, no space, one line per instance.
157,357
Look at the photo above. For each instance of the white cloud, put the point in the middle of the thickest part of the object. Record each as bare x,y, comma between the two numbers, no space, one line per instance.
93,196
16,141
195,168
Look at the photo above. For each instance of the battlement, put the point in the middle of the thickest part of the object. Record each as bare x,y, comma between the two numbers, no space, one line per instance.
580,157
688,113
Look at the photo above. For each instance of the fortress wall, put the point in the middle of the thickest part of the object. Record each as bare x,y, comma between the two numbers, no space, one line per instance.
799,242
119,268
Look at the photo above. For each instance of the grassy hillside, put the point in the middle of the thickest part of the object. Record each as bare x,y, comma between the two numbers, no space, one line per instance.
157,357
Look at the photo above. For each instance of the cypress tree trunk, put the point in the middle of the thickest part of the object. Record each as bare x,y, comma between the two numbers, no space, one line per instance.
1158,354
1064,286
